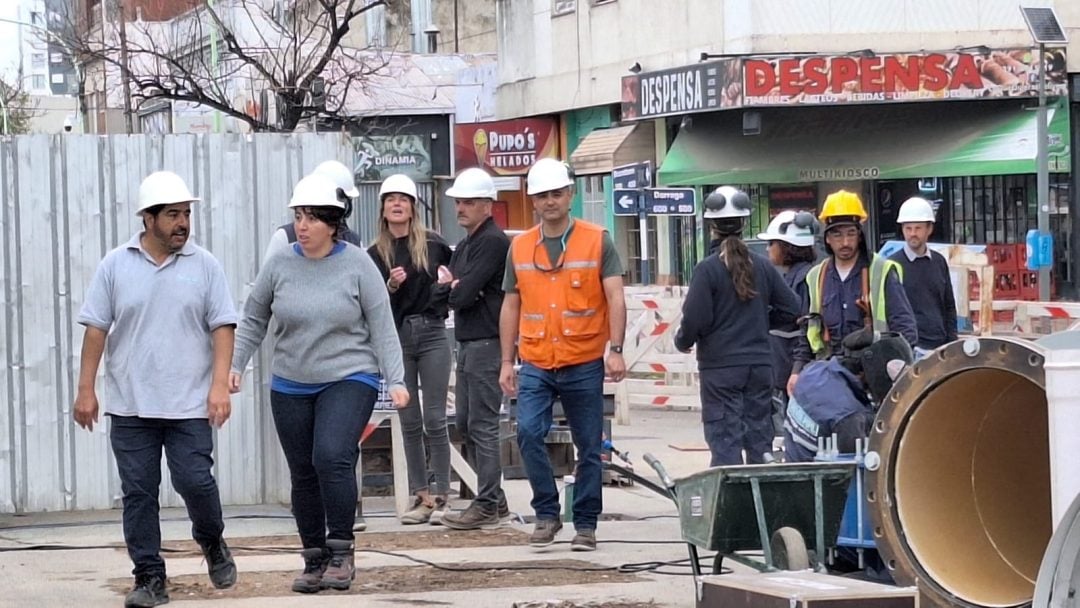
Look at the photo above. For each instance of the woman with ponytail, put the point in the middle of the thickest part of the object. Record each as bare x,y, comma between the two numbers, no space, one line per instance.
735,298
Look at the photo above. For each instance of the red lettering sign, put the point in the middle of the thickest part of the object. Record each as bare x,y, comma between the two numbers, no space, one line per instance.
821,79
507,147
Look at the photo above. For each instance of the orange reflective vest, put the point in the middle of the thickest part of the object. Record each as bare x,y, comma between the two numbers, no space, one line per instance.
564,312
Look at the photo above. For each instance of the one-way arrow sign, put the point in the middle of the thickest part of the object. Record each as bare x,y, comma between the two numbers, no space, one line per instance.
626,202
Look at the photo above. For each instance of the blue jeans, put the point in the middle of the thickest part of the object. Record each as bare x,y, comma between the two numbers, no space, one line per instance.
320,436
189,444
736,407
580,388
425,350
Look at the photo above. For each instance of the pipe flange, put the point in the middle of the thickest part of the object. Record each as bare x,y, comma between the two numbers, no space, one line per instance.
1015,356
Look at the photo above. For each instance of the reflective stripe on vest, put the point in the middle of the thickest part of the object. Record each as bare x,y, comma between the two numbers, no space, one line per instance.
564,312
879,270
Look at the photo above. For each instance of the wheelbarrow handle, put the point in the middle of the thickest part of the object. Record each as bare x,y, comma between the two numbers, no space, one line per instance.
660,470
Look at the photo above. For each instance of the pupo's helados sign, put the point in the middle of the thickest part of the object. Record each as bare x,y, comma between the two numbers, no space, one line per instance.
507,147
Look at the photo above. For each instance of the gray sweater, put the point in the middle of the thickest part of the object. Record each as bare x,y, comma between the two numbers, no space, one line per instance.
333,319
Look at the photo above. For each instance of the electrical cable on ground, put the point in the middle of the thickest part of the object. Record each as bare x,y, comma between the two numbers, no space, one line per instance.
654,567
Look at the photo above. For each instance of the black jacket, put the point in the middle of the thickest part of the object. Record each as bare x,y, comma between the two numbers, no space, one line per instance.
478,264
727,330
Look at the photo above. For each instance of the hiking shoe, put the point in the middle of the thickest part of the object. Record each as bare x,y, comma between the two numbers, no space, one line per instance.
472,518
219,564
418,514
584,540
359,524
340,570
544,532
441,509
149,590
315,561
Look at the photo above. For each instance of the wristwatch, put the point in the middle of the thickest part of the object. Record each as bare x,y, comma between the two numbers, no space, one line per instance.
616,348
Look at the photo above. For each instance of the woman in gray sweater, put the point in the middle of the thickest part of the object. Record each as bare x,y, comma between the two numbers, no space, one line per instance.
334,343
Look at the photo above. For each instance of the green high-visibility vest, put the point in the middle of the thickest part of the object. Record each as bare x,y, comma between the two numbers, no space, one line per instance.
879,269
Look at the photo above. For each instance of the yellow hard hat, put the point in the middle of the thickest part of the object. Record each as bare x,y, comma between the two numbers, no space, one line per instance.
842,204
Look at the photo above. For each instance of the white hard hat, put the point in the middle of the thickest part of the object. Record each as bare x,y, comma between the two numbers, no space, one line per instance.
316,190
341,175
915,209
163,188
473,183
793,227
548,174
725,202
401,184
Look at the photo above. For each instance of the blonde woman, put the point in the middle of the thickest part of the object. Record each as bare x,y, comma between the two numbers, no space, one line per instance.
408,256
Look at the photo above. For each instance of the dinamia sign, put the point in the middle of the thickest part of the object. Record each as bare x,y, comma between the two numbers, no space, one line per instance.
838,174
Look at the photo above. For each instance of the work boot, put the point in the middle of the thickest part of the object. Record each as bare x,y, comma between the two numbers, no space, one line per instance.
544,532
441,509
219,563
584,540
149,590
315,561
340,570
474,517
420,513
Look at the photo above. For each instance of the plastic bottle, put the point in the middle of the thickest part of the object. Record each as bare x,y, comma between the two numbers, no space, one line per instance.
568,498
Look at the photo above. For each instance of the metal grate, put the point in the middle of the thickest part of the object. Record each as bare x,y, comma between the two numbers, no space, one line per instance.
1043,24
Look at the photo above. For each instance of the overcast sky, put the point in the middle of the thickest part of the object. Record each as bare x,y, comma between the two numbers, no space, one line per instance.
9,39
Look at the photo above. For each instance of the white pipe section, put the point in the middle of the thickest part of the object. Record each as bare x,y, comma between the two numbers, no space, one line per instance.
1062,369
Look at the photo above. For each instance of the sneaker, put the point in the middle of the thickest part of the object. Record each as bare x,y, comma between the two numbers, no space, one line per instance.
418,514
584,540
504,509
219,564
315,562
441,508
544,532
359,524
472,518
340,570
149,591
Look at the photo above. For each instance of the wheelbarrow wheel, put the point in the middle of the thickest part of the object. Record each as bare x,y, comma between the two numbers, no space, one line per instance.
789,550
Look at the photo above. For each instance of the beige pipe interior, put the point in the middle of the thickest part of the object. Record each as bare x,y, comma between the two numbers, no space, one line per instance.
973,485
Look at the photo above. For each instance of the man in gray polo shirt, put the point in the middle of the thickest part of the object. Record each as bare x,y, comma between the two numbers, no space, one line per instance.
160,307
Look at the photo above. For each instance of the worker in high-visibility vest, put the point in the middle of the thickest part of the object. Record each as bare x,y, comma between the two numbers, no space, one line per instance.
851,289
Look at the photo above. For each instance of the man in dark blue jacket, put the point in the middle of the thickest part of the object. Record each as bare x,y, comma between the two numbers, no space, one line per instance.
836,396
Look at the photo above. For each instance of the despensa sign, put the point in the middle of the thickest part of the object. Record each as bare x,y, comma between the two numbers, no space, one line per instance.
672,92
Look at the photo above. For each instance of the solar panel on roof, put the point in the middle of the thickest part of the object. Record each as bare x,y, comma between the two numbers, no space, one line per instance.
1044,25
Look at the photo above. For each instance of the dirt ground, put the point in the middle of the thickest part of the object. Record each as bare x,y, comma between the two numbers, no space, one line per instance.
436,538
408,579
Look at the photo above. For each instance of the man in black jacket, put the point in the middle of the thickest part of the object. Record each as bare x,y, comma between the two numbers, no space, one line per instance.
927,281
475,283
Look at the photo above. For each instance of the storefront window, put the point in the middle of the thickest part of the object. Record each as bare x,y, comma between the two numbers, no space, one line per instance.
999,208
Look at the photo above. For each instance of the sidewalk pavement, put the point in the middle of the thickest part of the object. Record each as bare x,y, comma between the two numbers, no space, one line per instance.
78,576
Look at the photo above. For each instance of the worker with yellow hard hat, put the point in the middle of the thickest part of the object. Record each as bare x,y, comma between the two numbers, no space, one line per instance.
852,288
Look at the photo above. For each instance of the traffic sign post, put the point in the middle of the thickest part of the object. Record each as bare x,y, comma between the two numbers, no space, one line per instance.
633,194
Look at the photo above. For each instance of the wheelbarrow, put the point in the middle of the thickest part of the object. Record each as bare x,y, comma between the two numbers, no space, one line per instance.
782,510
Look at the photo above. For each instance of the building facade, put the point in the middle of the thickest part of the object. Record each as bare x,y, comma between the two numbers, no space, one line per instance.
792,101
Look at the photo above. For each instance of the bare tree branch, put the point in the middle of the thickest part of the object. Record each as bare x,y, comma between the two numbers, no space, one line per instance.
290,49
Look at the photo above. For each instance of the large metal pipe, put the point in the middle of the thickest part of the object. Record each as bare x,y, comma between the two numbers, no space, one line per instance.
961,496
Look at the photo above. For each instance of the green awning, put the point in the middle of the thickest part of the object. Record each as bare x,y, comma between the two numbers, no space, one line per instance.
902,141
